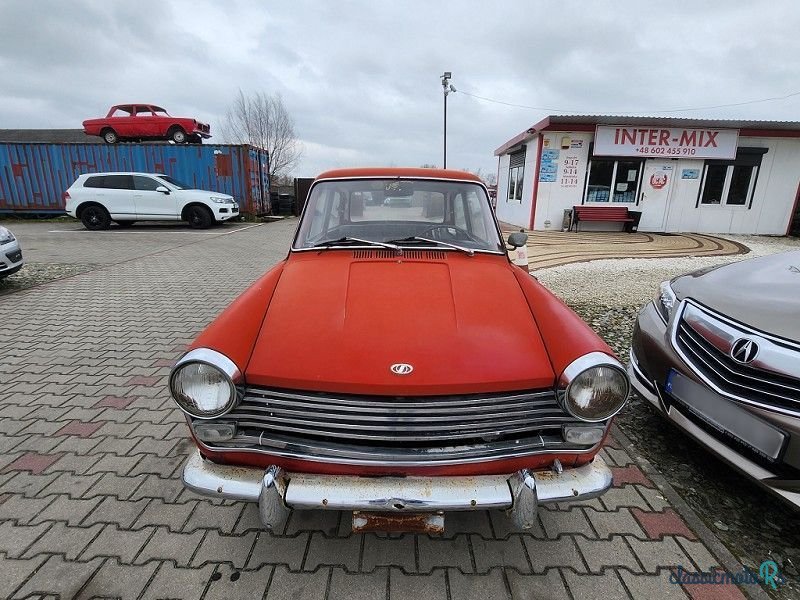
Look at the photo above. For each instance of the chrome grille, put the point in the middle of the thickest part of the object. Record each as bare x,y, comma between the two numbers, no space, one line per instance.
395,429
734,378
431,420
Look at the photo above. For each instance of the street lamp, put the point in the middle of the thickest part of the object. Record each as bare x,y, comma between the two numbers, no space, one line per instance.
446,88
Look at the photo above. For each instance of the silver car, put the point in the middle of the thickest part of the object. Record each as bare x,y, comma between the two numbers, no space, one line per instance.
10,253
718,354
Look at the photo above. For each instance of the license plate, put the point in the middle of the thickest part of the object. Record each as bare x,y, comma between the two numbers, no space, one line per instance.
398,522
726,416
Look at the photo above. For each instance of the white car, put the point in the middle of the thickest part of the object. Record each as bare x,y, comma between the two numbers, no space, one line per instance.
10,253
99,198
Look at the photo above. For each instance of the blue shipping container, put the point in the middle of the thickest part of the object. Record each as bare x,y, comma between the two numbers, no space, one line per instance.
34,176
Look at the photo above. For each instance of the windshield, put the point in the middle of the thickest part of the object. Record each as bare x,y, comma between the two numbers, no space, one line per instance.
175,182
398,211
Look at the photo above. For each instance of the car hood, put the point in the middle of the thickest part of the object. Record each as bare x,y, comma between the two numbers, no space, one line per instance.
762,292
201,194
339,320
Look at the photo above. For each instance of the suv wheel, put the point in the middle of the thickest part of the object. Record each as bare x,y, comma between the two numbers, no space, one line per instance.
199,217
94,217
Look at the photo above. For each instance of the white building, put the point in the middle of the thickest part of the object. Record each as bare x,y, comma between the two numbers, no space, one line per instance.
694,175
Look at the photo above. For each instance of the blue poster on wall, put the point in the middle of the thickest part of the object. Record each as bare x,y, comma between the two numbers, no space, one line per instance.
548,166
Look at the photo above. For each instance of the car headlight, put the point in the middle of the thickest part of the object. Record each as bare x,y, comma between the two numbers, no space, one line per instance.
666,301
203,383
596,387
220,200
6,236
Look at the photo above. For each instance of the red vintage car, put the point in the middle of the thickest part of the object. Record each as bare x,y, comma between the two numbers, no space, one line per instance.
397,365
146,122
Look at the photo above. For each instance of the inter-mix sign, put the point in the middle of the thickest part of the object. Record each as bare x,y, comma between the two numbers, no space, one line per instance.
668,142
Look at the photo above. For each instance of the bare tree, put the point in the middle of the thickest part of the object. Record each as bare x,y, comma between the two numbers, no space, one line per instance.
489,179
262,120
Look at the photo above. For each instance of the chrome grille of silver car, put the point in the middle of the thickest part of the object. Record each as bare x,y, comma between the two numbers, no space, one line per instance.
739,380
393,428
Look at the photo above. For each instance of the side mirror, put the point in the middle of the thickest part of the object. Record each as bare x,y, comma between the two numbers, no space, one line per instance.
163,189
517,239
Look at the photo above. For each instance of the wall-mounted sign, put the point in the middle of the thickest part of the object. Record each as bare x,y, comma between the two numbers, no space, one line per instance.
548,166
569,171
690,173
658,180
665,142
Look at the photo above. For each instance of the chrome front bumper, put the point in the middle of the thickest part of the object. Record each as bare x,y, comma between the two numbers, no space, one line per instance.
278,492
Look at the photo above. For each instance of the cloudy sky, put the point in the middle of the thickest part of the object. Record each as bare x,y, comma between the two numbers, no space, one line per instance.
361,78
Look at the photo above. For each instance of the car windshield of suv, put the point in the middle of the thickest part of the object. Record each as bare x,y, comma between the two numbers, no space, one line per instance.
399,212
175,182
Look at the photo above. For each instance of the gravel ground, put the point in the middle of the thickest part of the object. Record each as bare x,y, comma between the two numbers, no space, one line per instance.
610,281
33,274
754,525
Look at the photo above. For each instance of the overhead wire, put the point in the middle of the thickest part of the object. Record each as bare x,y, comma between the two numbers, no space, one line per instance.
671,110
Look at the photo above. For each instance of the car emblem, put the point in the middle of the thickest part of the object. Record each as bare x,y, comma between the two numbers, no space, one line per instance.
744,350
401,369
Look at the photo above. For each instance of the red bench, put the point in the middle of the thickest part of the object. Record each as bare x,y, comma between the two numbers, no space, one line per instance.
617,214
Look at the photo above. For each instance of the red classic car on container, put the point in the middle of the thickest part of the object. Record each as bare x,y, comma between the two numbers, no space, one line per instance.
146,122
397,365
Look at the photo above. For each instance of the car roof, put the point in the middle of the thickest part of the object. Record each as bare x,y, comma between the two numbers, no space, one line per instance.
410,172
132,104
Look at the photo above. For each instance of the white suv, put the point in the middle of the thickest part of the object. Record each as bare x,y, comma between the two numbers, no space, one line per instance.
99,198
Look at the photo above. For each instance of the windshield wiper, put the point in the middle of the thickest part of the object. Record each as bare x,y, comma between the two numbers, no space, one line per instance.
350,240
416,238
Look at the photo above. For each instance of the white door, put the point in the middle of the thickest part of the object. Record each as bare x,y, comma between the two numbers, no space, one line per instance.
655,193
151,204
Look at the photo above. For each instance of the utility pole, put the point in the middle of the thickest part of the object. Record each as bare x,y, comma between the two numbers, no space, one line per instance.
446,88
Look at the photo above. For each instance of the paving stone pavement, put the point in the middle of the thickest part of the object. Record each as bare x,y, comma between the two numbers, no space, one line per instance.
91,449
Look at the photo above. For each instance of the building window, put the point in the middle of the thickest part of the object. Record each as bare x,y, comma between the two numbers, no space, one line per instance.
516,171
612,180
731,182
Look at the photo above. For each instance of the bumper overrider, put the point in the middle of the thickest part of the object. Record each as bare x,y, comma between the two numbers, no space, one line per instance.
278,491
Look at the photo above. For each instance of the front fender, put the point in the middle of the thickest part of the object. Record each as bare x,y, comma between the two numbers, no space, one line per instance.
566,336
235,331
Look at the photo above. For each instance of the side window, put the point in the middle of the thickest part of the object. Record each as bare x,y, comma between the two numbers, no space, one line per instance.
477,217
145,184
119,182
731,182
459,214
123,111
612,180
95,182
328,214
143,111
516,173
336,213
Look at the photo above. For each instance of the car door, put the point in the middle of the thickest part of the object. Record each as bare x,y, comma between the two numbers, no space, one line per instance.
117,196
152,204
144,123
122,120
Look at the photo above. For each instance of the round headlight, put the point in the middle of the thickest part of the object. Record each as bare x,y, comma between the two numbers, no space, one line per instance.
597,387
203,383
